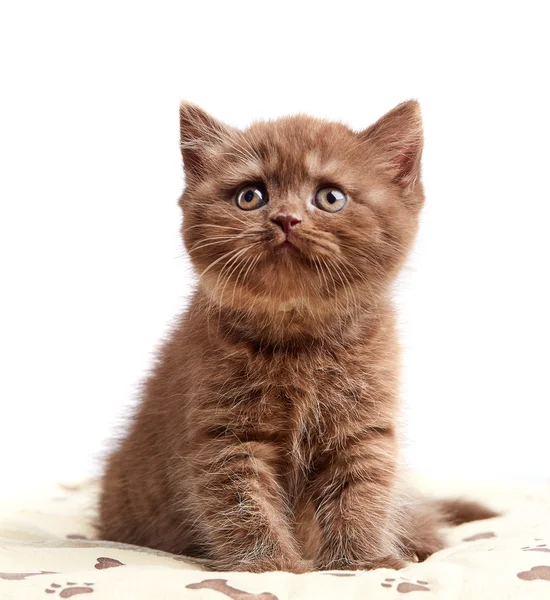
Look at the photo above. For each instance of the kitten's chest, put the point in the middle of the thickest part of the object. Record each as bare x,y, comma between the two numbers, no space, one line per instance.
314,397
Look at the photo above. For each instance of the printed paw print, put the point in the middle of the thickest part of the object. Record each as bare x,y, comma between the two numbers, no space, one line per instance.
406,585
540,572
537,548
220,585
104,562
485,535
71,588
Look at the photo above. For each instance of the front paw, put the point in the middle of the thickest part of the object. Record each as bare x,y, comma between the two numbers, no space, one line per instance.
262,565
344,564
386,562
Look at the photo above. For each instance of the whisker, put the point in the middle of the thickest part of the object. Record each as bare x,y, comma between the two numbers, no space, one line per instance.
218,240
211,225
212,264
236,284
231,265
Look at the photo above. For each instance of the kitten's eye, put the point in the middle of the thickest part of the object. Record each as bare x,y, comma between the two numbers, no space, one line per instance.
251,197
330,199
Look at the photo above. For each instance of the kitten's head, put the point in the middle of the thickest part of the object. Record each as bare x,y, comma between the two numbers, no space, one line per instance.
300,213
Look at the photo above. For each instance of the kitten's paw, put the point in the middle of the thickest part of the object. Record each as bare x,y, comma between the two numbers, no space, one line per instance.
290,566
343,564
386,562
262,565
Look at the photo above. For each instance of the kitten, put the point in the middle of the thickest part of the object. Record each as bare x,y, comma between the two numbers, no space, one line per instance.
266,438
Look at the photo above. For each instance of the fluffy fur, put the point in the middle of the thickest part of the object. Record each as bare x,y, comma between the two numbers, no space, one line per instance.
266,437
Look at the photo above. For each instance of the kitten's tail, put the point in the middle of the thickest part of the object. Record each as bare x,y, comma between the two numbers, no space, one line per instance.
422,535
457,511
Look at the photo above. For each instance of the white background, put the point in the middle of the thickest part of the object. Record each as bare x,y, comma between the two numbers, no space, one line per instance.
92,270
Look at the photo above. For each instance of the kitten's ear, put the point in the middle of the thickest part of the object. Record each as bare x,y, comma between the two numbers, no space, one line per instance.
200,134
398,140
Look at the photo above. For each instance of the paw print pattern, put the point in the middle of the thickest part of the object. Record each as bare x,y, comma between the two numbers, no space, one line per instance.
537,548
538,573
71,588
485,535
220,585
104,562
21,576
405,585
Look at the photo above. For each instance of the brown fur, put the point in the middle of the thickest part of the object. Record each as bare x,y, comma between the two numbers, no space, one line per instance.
267,433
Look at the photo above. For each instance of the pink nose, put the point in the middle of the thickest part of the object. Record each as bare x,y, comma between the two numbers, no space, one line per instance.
286,222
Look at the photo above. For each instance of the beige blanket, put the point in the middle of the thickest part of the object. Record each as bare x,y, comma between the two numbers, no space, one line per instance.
47,550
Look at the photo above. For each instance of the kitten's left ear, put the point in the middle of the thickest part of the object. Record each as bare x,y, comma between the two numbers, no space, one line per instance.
397,141
200,136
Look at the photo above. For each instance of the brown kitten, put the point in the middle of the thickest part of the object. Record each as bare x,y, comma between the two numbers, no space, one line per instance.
266,435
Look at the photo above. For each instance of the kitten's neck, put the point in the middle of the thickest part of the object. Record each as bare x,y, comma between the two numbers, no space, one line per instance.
291,327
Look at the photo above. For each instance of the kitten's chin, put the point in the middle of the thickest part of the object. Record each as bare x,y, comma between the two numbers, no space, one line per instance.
278,290
290,258
287,276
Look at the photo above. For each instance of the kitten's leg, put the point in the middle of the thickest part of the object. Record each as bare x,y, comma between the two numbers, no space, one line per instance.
241,510
355,505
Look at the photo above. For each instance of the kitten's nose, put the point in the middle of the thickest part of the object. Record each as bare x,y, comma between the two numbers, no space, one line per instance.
286,222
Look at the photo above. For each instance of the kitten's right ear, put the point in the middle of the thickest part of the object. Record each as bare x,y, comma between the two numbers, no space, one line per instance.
200,135
397,139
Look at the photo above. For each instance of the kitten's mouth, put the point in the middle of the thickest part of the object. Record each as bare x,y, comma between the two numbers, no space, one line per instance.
287,246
